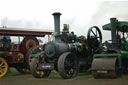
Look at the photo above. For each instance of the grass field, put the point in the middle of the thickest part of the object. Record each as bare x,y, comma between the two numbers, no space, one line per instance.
16,78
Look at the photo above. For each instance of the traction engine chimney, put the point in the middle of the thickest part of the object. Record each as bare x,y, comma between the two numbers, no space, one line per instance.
57,22
113,30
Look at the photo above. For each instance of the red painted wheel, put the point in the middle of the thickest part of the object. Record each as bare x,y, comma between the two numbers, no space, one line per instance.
29,42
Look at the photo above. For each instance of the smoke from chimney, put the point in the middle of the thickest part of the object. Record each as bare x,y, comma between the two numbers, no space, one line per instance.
107,10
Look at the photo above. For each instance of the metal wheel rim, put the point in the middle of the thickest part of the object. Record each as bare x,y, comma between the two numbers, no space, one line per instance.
3,67
38,74
67,69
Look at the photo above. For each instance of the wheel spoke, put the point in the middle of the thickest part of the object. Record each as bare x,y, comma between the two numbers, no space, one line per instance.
68,63
96,32
2,66
70,72
2,70
1,63
93,33
70,66
94,38
98,37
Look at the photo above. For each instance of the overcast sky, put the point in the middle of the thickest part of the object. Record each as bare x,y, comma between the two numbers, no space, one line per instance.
79,14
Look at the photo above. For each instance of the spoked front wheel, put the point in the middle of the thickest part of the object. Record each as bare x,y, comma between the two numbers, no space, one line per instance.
38,74
32,51
68,65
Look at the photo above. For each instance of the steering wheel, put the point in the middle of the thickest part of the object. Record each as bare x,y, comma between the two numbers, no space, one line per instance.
94,37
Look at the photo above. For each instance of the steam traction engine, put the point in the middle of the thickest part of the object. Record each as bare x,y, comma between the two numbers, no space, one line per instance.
67,54
16,54
113,61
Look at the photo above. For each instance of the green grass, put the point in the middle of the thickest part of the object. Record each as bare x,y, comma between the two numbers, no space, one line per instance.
13,74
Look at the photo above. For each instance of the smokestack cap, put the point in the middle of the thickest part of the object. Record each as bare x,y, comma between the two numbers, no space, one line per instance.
56,13
113,19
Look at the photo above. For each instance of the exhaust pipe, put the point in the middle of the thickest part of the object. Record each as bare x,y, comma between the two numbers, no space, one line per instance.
113,30
66,28
57,22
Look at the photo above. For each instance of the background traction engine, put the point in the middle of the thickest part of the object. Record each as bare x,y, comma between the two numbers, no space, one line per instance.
113,61
15,55
67,54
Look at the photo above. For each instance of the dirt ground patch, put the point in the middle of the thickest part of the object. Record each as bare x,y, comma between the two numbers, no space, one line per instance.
16,78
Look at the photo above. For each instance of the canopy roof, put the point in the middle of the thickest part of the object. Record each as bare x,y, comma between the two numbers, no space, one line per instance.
121,26
24,32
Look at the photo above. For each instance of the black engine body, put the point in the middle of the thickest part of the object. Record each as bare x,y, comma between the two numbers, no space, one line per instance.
68,42
68,54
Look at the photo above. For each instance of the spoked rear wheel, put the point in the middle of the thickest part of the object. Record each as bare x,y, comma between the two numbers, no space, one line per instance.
38,74
68,65
3,67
